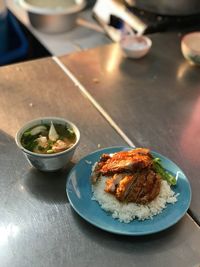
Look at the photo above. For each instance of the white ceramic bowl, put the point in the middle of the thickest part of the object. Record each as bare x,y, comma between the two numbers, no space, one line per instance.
135,46
190,46
48,162
52,19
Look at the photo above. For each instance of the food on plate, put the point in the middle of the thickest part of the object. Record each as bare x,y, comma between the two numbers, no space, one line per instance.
132,181
48,139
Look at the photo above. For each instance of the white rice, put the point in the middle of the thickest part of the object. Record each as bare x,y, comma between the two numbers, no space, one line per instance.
128,212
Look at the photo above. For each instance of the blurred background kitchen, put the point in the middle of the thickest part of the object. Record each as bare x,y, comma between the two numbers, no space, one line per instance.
31,29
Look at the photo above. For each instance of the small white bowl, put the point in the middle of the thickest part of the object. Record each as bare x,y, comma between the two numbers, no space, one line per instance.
135,46
48,162
190,46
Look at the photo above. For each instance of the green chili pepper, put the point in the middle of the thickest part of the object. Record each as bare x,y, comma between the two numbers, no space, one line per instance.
163,173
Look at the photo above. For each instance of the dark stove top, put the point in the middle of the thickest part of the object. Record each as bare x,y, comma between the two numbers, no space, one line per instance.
158,23
111,16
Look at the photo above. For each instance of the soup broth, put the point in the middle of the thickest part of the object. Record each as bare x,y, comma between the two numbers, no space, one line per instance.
48,139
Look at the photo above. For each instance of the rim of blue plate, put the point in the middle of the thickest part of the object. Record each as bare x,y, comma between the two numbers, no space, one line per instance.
120,232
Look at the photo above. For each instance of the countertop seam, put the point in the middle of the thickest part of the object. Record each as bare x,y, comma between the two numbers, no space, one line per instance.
93,101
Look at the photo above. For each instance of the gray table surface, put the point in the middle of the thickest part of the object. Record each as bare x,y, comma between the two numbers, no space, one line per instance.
79,38
154,100
37,225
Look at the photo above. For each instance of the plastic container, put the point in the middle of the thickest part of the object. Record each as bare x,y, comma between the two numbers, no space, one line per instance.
13,43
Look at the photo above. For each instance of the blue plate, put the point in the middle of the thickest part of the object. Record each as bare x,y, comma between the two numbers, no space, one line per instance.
79,194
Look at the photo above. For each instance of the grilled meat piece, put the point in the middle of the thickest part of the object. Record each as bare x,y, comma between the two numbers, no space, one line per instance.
130,175
139,188
125,187
127,161
152,187
112,183
96,172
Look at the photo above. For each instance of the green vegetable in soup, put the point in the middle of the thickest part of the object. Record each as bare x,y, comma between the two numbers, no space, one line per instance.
48,139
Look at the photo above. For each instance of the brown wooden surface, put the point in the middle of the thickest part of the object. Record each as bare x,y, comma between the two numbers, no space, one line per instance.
154,100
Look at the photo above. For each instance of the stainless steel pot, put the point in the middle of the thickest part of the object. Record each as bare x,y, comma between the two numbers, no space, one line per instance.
168,7
52,20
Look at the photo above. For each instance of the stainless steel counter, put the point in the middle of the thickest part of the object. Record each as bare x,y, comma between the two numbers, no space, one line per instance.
37,225
155,100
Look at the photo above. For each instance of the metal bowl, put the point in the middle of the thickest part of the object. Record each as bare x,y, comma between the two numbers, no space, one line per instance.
48,162
55,19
